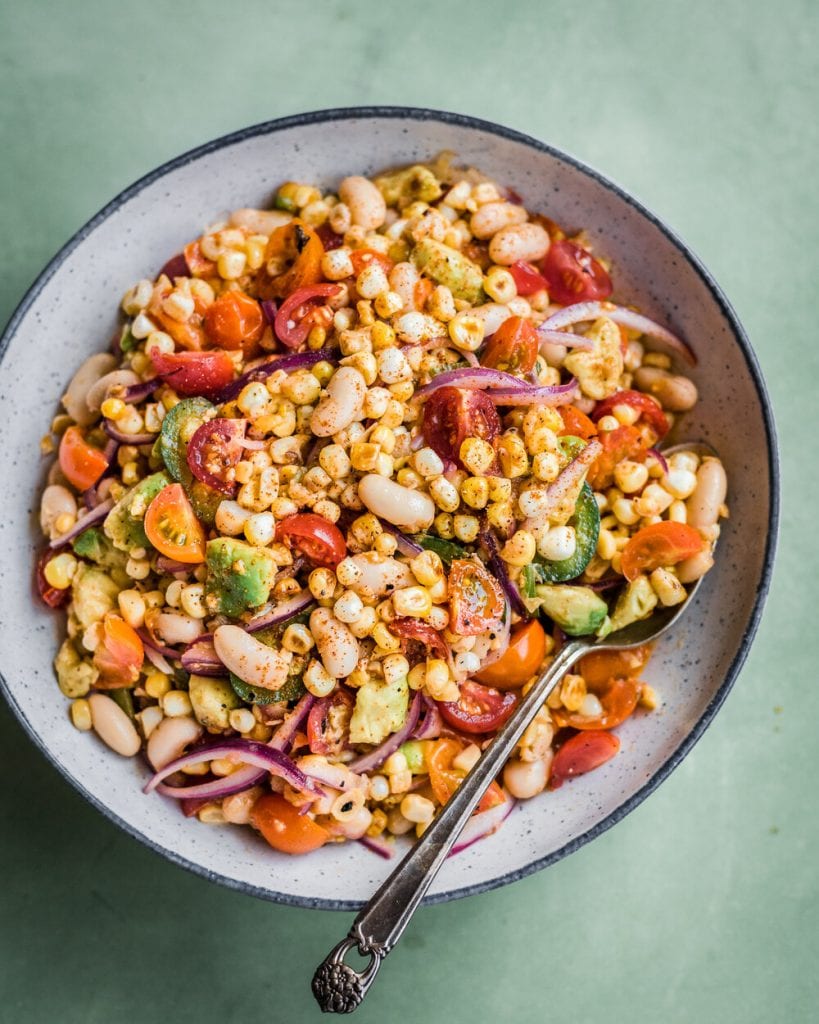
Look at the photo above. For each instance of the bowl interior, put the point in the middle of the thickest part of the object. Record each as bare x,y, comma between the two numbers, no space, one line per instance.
72,312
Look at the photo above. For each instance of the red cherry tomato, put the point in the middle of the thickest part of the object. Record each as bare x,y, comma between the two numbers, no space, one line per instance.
513,347
582,753
415,629
574,275
444,779
81,462
361,258
328,724
479,708
194,373
54,597
527,279
172,527
284,828
300,311
198,265
213,452
476,601
177,266
315,537
119,655
660,544
648,407
576,423
521,659
618,700
452,415
329,238
599,667
627,442
235,321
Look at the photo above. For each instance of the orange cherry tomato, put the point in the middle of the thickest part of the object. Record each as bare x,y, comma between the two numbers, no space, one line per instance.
576,423
298,250
119,655
476,600
658,545
198,265
172,527
628,442
235,321
618,701
599,667
582,753
444,779
361,258
422,291
81,462
513,347
647,406
522,658
284,828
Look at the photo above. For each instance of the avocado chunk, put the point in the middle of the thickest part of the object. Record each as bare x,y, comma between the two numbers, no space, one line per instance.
74,676
449,267
409,185
93,595
93,545
178,427
212,701
123,524
380,709
577,610
636,602
239,576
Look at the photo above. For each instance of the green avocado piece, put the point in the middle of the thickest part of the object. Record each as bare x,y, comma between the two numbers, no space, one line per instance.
74,675
636,602
123,524
178,427
212,701
577,610
380,709
449,267
239,576
93,594
93,545
409,185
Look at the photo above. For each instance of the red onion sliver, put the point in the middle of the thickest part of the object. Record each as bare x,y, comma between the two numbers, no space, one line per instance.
281,612
139,392
165,564
379,754
380,846
497,566
406,545
149,642
561,394
471,379
201,658
134,439
284,735
484,824
89,519
658,455
564,338
158,662
243,778
269,309
577,313
429,727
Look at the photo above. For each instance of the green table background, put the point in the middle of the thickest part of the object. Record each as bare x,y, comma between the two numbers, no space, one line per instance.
702,905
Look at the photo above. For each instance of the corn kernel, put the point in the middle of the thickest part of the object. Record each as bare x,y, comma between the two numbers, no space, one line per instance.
417,809
322,583
477,455
513,457
466,528
317,680
384,638
176,703
520,549
231,265
132,607
60,570
475,491
81,714
466,331
648,697
500,285
630,476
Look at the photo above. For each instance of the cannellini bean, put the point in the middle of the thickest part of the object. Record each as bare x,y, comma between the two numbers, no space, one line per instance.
113,726
259,222
88,374
674,392
342,403
55,502
176,628
170,738
250,659
492,217
519,242
553,354
698,565
411,510
237,807
493,314
336,645
102,388
525,779
704,503
380,575
364,201
404,278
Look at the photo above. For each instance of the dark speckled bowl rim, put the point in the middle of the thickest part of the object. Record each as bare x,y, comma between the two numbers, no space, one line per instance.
460,120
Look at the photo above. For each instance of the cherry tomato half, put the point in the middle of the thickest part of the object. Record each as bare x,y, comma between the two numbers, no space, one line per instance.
54,597
328,724
476,601
198,265
298,313
177,266
284,828
527,279
315,537
582,753
521,659
647,406
576,423
452,415
618,700
235,321
81,462
479,709
444,779
298,251
361,258
658,545
415,629
599,667
574,275
172,527
213,452
513,347
194,373
119,655
329,238
628,442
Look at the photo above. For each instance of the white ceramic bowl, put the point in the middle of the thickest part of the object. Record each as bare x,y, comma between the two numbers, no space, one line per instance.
71,311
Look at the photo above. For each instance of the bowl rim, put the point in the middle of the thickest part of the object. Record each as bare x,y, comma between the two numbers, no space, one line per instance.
392,112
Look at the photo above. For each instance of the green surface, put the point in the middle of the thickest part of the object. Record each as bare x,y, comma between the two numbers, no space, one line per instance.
702,905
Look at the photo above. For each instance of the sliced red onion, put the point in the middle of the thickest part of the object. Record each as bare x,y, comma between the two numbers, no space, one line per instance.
375,844
190,808
658,455
246,752
377,756
471,379
577,313
335,776
90,498
165,564
417,443
289,363
157,660
559,394
281,612
406,545
608,583
201,658
251,445
119,436
429,727
497,566
269,309
139,392
471,358
243,778
565,485
149,642
285,734
564,338
89,519
484,824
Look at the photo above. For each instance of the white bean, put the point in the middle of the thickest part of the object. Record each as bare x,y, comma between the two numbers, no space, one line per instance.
113,726
403,280
697,565
250,659
704,504
525,779
175,628
519,242
411,510
553,354
354,827
170,738
336,645
89,373
55,502
365,203
238,806
102,388
342,403
493,314
380,575
492,217
674,392
259,222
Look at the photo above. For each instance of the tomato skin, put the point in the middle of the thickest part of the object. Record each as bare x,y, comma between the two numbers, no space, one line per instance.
299,247
119,655
444,779
452,415
647,406
415,629
628,442
214,450
660,544
513,347
194,373
80,462
619,700
520,661
297,313
574,275
235,321
576,423
314,536
172,527
328,723
51,596
361,258
198,265
476,600
329,238
284,828
582,753
480,708
599,667
527,279
177,266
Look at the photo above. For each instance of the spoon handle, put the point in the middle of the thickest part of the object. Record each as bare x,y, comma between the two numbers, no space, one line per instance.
339,988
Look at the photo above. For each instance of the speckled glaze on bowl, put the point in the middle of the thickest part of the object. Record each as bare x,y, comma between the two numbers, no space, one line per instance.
71,311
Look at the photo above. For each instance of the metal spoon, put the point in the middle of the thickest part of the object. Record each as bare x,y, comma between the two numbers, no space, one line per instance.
340,988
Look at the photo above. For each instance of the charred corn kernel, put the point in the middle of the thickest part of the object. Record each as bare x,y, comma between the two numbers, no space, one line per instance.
500,285
379,819
384,437
317,337
366,528
132,607
652,502
428,463
192,600
253,399
385,544
466,528
301,388
336,265
364,309
626,415
394,414
408,478
382,336
477,455
297,638
630,476
467,759
466,331
648,697
327,509
444,494
348,607
364,456
625,511
500,489
112,408
376,402
393,367
417,809
81,714
572,692
475,491
402,392
606,545
541,440
558,543
395,667
513,456
659,359
176,703
365,363
427,568
347,572
546,466
520,549
441,304
372,281
317,680
242,720
678,512
680,483
322,583
667,587
384,638
60,570
231,265
417,675
412,601
443,525
501,516
334,461
363,625
323,371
